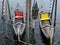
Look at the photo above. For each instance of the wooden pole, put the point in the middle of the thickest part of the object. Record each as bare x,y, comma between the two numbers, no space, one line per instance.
52,9
30,11
27,19
9,9
51,32
3,8
34,2
51,38
55,14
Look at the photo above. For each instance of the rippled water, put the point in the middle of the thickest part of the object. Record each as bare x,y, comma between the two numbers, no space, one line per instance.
38,38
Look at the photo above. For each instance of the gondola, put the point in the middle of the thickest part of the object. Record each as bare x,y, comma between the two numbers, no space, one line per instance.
35,11
18,22
45,25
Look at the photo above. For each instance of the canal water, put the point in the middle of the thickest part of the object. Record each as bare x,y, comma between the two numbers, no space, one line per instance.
36,38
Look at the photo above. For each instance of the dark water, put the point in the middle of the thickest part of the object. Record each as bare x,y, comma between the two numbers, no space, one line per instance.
10,33
36,38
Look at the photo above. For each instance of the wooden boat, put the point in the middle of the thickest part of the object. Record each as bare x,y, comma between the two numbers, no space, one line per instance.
18,22
35,10
45,25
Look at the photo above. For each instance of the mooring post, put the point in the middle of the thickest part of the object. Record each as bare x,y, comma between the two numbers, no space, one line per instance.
27,19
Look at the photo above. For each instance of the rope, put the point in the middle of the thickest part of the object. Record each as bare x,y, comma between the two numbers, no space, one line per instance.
19,23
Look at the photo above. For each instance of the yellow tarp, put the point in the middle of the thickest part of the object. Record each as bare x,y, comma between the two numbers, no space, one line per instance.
45,16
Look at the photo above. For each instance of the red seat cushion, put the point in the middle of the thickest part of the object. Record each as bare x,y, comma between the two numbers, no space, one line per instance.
18,14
